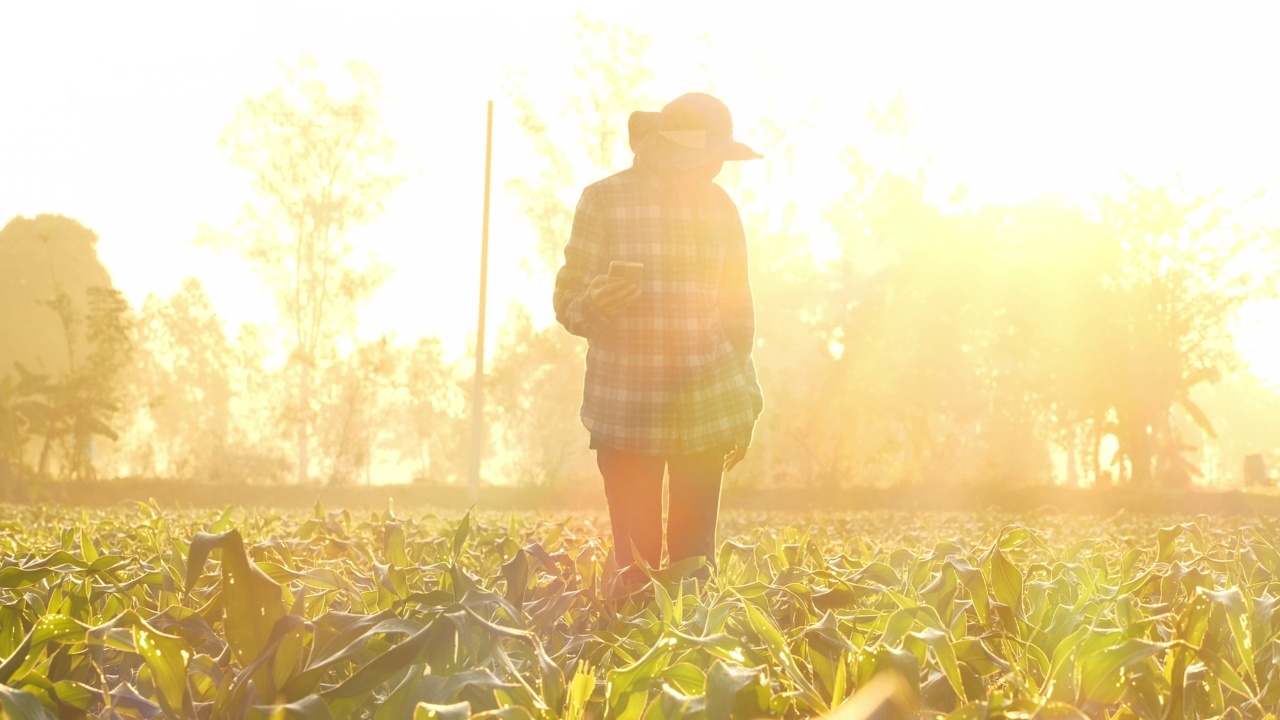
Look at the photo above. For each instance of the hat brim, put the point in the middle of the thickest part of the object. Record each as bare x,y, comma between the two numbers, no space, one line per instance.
660,152
735,150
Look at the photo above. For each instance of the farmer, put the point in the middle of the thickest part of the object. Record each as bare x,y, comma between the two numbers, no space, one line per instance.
670,384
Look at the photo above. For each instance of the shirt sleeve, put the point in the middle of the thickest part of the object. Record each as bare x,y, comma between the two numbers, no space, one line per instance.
737,309
582,258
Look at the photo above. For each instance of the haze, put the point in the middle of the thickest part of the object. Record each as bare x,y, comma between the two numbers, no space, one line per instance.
113,116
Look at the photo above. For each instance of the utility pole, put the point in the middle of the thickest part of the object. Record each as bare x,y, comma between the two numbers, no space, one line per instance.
477,387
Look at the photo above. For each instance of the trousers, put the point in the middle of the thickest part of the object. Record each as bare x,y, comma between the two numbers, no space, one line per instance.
633,488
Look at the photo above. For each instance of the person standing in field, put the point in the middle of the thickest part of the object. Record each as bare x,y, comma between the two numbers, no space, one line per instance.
655,278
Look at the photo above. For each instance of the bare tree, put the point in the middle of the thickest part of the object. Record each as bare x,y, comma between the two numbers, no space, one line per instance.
320,163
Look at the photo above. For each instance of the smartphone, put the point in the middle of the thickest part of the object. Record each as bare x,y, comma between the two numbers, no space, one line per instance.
631,271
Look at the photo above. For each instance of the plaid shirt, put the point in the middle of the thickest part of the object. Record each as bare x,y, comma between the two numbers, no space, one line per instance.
672,373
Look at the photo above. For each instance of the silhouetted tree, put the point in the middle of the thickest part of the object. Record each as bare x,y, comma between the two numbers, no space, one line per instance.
612,73
430,428
1184,270
83,400
24,409
180,391
320,163
38,257
535,402
357,390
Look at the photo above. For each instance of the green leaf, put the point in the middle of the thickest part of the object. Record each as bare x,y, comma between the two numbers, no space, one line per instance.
373,673
311,707
49,628
672,703
223,523
946,657
1103,674
1223,672
405,696
87,549
460,535
455,711
888,694
765,627
579,692
736,691
1166,540
973,581
21,705
166,658
480,688
626,687
164,655
688,678
1006,583
394,545
1236,608
251,601
516,574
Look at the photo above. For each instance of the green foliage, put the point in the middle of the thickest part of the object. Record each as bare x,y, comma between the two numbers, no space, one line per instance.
329,615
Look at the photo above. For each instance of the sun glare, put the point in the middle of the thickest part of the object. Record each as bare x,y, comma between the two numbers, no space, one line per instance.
972,109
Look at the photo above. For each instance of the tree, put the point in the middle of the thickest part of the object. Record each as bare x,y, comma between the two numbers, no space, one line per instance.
23,409
530,382
39,258
430,428
1184,270
1047,367
1244,409
905,321
610,65
320,163
257,447
180,392
358,391
83,400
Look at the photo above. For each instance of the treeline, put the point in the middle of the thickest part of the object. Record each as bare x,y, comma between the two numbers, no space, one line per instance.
946,342
996,345
936,345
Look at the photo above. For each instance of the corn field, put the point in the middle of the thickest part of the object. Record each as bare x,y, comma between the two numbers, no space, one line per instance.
138,612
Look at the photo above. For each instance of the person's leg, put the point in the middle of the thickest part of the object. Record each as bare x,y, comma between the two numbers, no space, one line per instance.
694,508
633,487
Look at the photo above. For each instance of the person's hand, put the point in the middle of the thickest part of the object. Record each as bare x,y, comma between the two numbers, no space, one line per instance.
612,295
737,452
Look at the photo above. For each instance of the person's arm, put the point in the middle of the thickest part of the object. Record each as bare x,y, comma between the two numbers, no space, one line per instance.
737,309
737,312
583,256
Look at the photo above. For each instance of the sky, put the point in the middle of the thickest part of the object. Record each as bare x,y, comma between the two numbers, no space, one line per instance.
112,112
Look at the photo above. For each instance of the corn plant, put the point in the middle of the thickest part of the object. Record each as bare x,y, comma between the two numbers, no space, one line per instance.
139,612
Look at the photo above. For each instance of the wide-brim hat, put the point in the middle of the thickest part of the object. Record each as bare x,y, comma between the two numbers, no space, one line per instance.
692,130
